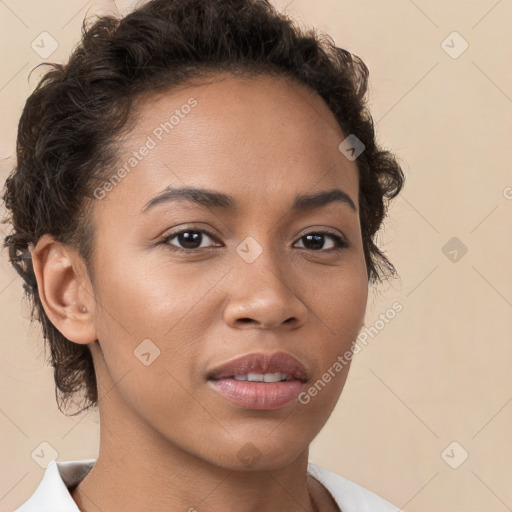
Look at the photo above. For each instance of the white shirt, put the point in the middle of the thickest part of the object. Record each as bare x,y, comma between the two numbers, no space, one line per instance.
52,494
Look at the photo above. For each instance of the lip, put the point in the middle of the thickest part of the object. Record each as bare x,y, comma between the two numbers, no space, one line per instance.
278,362
259,395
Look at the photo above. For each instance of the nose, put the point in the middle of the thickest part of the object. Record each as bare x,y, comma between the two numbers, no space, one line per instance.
264,296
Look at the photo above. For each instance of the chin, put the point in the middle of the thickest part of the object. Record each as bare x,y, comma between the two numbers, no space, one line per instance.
260,453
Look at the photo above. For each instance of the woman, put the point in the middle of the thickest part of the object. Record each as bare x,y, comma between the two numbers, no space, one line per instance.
194,211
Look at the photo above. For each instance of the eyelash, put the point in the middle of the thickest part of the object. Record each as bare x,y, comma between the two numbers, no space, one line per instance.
342,244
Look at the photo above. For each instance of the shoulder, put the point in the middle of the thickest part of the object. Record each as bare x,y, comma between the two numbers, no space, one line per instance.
349,496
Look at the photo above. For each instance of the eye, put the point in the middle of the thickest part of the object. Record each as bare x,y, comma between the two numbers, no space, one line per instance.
315,241
189,239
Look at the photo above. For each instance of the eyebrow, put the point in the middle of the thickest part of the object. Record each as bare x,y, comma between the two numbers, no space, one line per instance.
213,199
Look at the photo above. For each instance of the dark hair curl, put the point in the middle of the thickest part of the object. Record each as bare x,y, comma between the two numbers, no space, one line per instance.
71,122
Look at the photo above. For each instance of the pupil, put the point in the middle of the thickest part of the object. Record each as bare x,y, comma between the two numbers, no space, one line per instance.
317,241
190,237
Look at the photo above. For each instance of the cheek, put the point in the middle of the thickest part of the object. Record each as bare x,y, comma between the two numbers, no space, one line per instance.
341,303
341,312
139,300
148,329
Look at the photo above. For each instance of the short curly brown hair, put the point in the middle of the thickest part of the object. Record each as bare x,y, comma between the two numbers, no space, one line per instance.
67,132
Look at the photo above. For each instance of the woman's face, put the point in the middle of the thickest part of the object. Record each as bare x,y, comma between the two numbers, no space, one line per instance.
243,278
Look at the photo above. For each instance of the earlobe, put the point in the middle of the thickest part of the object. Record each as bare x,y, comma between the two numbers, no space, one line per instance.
64,289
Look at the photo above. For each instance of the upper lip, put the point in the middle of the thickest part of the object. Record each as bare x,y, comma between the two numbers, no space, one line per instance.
278,362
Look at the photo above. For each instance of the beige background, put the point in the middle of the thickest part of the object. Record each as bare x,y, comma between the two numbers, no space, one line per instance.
440,370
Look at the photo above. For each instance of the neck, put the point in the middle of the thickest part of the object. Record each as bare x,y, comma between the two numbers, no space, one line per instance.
137,469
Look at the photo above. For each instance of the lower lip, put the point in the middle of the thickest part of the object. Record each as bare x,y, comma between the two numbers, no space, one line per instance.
258,395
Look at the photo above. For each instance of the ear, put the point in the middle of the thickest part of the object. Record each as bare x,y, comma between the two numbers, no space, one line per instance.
64,289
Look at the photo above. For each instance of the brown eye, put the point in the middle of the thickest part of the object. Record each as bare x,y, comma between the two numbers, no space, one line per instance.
315,241
188,239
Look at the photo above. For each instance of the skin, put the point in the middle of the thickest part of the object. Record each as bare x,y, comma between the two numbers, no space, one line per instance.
165,434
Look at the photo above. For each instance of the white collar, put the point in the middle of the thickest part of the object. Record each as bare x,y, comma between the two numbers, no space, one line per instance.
52,494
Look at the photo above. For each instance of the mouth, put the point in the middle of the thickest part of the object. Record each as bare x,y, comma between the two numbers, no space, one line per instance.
260,381
264,377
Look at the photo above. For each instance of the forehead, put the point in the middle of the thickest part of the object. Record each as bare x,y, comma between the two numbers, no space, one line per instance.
250,137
